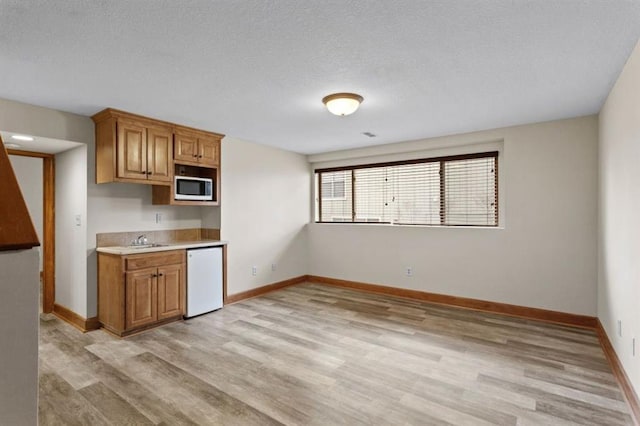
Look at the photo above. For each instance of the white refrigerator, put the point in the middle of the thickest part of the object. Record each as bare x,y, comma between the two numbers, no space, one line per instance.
204,280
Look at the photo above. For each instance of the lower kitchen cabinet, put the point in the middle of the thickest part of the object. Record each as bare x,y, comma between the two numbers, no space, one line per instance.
142,300
141,290
171,291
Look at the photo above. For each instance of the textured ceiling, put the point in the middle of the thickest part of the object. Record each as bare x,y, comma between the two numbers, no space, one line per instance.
257,70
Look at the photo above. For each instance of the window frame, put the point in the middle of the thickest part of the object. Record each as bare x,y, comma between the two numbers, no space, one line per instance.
440,159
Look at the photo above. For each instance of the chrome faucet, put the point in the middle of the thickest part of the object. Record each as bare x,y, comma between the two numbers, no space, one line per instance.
140,241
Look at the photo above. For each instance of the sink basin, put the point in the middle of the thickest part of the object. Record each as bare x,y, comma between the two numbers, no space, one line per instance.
146,246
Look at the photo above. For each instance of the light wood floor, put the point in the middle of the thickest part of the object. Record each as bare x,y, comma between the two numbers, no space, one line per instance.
314,354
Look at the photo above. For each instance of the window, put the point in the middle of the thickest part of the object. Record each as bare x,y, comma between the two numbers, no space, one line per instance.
459,190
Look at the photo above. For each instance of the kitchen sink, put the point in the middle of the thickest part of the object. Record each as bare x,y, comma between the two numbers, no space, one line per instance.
146,246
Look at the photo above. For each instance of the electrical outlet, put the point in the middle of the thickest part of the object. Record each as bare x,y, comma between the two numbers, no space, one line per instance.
409,271
620,328
273,267
158,217
254,270
78,219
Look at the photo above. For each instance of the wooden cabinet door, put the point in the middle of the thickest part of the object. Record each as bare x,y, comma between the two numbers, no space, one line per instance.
131,150
141,298
171,291
185,148
159,158
209,151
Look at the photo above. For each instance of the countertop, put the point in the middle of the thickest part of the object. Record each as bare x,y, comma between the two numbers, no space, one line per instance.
181,245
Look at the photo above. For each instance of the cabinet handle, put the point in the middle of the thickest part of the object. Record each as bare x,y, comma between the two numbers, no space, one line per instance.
143,173
154,275
149,173
160,275
199,156
195,155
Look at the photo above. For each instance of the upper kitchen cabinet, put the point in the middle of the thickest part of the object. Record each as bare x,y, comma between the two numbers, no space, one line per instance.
134,149
143,152
196,148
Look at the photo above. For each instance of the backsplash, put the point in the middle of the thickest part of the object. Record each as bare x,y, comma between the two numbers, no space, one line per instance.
111,239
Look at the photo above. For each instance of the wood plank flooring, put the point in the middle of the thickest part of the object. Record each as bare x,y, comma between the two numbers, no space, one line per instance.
320,355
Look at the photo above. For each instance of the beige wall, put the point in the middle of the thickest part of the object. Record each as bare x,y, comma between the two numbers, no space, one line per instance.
71,250
19,333
619,228
544,253
265,199
28,119
265,209
542,256
123,207
107,207
38,121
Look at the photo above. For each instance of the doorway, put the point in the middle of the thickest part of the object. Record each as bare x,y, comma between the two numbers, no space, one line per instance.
48,225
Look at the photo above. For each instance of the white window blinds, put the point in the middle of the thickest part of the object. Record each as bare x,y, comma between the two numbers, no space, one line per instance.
452,191
471,192
336,204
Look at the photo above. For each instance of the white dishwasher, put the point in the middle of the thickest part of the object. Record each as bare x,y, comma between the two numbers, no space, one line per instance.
204,280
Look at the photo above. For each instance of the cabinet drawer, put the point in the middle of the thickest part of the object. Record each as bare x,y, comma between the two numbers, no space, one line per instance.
140,261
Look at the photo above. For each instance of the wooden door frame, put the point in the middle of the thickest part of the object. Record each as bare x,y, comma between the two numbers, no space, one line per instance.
48,225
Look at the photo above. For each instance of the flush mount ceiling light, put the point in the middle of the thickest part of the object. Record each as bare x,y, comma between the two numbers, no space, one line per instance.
342,103
22,138
12,145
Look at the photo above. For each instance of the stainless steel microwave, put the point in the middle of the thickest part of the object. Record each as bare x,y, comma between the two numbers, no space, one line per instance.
193,188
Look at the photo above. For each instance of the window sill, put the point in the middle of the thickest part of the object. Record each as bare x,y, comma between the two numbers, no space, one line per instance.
389,225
